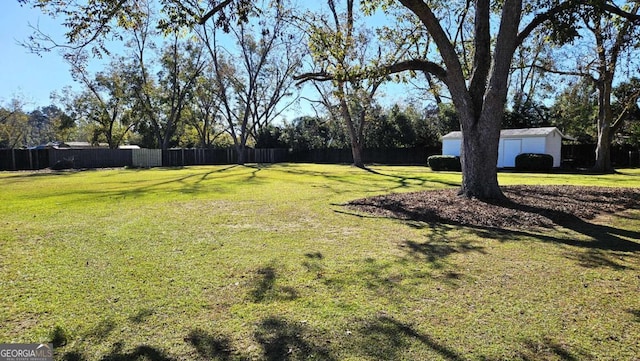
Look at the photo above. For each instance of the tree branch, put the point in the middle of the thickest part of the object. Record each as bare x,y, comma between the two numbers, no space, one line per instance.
418,65
313,76
541,18
482,54
564,72
213,11
631,16
407,65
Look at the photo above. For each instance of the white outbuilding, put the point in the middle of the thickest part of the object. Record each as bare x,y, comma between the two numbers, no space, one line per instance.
546,140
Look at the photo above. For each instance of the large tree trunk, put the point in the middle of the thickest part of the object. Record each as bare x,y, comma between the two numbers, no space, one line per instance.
479,160
356,152
603,151
241,150
605,123
481,105
355,134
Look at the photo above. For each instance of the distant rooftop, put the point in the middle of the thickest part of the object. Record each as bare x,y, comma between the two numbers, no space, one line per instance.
516,133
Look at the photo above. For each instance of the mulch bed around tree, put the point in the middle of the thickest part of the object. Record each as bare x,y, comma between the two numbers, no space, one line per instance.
527,207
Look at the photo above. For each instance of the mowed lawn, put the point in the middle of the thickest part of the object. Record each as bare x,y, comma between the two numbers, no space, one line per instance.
264,263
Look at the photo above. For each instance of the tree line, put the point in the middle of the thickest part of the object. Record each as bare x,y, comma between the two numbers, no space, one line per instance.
392,127
494,64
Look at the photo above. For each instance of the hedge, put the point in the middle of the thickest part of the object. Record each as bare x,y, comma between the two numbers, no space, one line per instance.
534,162
444,162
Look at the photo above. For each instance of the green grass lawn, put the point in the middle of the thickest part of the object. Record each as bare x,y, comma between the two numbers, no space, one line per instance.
263,263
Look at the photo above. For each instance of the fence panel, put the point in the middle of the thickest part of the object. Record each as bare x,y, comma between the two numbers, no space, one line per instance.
7,159
146,158
267,155
91,158
218,156
23,159
392,156
323,156
399,156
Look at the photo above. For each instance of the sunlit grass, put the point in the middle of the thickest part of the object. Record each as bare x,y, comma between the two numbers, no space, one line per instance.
263,262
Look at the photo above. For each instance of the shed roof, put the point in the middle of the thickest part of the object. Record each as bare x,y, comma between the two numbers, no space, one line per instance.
517,133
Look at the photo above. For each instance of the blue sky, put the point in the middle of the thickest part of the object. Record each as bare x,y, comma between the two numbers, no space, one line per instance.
24,74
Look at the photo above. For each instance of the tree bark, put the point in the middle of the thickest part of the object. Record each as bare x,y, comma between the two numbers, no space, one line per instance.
356,152
605,121
603,152
242,154
355,133
479,158
481,118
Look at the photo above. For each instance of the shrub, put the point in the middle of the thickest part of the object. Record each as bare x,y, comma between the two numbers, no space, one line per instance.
534,162
444,162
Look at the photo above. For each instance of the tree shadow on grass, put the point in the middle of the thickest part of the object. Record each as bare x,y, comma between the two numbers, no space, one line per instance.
140,353
343,179
386,339
404,181
278,339
433,251
60,339
265,288
209,346
548,349
603,237
314,264
192,183
605,246
533,211
284,340
142,315
379,338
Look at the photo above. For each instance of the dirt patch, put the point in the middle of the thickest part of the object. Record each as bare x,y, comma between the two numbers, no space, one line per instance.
527,207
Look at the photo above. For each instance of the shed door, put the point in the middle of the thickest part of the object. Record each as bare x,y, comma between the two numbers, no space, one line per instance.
512,147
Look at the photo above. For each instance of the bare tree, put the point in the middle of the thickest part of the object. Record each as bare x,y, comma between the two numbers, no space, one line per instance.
204,109
254,83
161,100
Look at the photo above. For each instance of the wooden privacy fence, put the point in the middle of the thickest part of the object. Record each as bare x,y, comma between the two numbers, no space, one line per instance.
32,159
24,159
91,158
146,158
